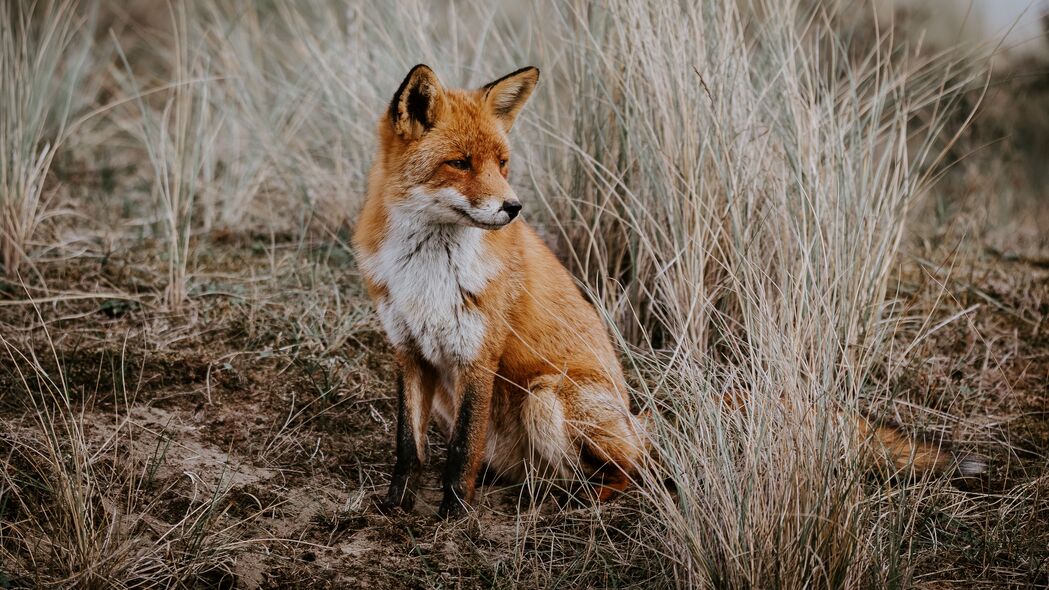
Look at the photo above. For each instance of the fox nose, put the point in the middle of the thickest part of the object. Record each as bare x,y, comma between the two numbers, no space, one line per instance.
512,208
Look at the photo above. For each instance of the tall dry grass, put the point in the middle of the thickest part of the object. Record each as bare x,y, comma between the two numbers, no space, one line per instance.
734,187
179,136
44,57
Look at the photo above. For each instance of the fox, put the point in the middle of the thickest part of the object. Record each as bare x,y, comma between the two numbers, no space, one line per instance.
491,335
493,339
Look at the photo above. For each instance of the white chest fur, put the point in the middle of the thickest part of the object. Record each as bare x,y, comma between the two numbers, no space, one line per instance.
429,271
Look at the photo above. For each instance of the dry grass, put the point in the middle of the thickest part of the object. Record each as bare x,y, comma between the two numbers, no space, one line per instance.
195,392
81,506
44,59
756,256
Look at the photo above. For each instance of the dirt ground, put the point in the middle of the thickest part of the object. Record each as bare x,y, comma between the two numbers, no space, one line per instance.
235,410
245,410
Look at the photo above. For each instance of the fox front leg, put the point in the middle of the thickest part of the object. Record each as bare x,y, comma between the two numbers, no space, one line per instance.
415,385
466,450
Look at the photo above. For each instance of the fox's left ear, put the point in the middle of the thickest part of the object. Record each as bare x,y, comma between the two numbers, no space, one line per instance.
507,95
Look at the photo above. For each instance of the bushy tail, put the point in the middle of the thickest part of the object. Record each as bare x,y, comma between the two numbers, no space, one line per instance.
894,452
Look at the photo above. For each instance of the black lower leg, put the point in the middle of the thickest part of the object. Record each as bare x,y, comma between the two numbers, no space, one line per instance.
466,448
407,467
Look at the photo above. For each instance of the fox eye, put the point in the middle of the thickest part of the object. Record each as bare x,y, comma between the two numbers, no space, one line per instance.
459,164
503,162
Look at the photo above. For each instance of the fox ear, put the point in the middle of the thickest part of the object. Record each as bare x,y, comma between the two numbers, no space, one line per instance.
417,103
507,95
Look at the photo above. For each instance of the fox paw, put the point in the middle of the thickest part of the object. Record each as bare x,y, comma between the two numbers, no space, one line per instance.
452,508
396,500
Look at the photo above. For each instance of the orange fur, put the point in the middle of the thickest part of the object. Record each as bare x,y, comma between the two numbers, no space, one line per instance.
516,364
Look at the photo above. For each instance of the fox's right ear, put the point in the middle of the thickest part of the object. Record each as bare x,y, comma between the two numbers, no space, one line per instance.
417,103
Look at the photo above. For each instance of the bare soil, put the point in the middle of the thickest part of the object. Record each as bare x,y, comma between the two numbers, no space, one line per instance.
285,441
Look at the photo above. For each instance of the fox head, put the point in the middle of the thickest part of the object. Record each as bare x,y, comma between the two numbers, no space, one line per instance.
445,153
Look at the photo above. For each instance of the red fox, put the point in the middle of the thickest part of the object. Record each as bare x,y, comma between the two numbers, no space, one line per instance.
491,335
